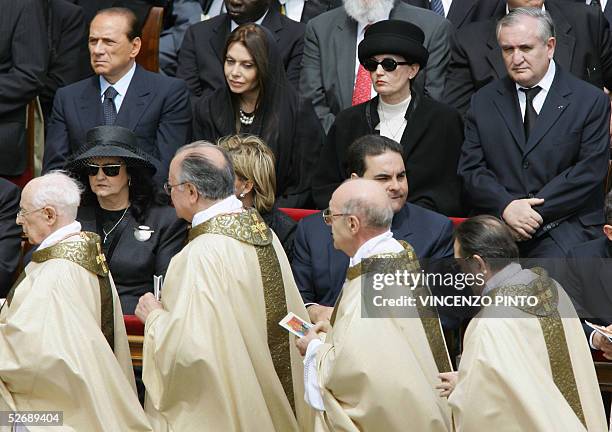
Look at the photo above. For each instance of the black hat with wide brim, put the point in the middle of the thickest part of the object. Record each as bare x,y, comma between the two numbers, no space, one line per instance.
111,141
394,37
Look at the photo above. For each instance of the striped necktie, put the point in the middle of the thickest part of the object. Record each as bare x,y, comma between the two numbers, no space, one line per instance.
437,7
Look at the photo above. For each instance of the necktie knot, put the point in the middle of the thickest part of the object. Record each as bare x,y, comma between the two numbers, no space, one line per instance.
531,93
110,93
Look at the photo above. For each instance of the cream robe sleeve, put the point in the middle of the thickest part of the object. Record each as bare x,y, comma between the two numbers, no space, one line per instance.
53,355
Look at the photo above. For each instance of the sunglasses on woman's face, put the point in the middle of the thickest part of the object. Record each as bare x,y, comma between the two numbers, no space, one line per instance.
108,170
388,64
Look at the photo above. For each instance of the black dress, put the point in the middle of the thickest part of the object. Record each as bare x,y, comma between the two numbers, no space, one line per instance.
133,263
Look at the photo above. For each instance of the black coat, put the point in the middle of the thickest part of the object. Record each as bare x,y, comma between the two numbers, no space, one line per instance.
584,47
431,141
10,234
133,263
23,61
284,228
463,12
200,61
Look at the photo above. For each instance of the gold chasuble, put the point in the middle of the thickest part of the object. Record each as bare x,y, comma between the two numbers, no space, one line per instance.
215,359
63,345
526,367
379,374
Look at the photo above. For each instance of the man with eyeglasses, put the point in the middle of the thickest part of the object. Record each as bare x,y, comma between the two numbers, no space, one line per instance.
63,344
215,358
332,76
384,362
319,269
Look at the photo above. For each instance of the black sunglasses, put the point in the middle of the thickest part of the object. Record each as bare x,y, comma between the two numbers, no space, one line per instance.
108,170
387,64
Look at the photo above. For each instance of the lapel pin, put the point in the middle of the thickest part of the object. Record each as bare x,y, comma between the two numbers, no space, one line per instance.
143,233
560,107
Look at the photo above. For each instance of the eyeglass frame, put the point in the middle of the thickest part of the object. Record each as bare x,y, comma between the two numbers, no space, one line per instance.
103,168
168,187
21,213
394,63
328,216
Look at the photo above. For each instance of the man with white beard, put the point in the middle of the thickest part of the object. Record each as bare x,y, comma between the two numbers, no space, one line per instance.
332,76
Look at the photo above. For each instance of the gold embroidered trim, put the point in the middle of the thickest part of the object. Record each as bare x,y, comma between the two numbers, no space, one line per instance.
247,226
87,254
547,314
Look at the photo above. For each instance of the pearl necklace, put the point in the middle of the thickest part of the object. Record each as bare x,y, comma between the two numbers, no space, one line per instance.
106,234
246,118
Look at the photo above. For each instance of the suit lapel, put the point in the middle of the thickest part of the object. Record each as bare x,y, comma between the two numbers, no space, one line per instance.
553,107
494,55
219,36
90,105
564,50
344,42
272,22
507,104
459,11
135,101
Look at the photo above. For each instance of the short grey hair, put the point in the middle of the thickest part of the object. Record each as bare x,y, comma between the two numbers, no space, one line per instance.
373,217
211,182
546,27
60,191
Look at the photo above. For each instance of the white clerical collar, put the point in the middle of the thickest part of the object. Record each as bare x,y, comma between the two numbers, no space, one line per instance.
230,204
501,276
382,243
395,109
57,236
121,85
546,81
234,25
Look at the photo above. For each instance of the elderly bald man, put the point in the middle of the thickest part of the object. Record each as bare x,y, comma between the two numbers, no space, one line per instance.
215,357
358,377
63,345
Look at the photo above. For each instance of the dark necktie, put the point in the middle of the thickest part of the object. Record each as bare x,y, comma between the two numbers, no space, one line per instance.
595,3
530,113
437,7
110,112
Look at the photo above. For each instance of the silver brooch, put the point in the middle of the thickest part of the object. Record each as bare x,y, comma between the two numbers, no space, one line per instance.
143,233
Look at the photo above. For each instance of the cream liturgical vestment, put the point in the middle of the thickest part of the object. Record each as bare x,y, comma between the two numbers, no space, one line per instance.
63,345
526,368
379,374
215,359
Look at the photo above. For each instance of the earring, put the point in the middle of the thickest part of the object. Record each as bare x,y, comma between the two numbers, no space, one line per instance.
130,182
241,195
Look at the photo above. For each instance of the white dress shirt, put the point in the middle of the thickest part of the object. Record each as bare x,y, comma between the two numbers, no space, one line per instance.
538,101
383,243
230,204
234,25
121,86
64,232
293,8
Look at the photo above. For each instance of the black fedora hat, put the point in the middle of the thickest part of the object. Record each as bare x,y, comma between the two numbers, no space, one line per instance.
394,37
111,141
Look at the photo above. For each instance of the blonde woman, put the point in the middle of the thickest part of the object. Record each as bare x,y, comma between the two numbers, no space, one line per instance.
256,184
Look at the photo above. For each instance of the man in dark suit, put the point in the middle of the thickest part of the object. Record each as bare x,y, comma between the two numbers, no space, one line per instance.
536,143
462,12
10,234
304,10
320,270
330,65
604,5
584,48
156,108
200,63
23,61
589,282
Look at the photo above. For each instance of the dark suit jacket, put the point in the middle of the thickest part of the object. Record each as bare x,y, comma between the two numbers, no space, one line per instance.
564,161
463,12
200,61
68,56
330,45
10,234
431,142
23,61
584,47
320,269
155,108
133,263
313,8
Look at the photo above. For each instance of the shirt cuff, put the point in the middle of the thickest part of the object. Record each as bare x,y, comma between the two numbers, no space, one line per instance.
310,304
312,391
591,340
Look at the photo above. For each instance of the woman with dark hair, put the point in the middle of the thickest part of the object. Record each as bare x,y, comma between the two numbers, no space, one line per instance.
140,233
259,100
430,132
